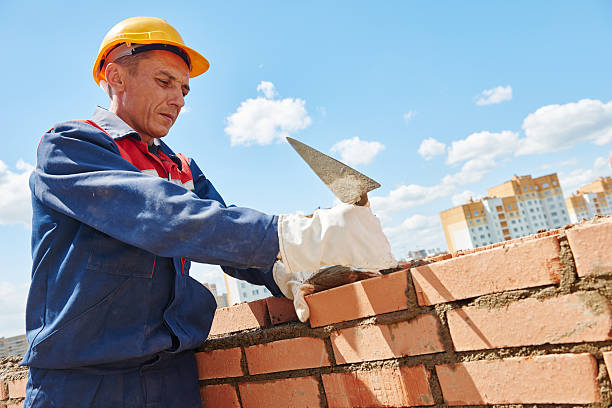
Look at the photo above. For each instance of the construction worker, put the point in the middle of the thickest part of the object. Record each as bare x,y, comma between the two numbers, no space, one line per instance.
112,314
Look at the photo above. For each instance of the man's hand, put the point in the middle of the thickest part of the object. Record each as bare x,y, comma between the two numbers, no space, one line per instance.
346,235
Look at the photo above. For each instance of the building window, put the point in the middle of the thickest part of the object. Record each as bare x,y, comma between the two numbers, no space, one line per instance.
554,183
548,192
478,221
554,213
525,188
475,213
509,206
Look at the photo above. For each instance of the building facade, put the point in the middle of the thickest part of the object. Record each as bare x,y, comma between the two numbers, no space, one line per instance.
590,200
518,207
13,346
240,291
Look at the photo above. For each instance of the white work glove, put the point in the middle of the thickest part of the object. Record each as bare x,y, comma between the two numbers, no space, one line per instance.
346,234
294,288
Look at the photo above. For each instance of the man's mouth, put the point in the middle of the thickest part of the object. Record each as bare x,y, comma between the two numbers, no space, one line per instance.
168,116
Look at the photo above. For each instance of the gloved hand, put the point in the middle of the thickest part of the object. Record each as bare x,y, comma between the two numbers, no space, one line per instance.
296,286
346,234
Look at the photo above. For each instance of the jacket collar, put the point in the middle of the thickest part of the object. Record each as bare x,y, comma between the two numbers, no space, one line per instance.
112,124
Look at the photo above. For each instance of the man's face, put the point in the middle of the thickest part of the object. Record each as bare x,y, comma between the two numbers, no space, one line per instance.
154,94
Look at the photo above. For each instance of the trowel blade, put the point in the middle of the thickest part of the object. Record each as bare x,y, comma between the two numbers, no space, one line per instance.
346,183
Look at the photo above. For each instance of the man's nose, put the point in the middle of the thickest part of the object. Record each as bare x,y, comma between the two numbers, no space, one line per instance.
177,99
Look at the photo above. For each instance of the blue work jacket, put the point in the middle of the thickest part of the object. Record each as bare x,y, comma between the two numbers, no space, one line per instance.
110,282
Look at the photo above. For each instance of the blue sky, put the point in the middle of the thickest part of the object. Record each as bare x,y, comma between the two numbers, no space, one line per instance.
435,100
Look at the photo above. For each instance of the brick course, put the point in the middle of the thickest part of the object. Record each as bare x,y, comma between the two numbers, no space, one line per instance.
520,265
380,342
385,387
553,379
290,354
564,319
590,245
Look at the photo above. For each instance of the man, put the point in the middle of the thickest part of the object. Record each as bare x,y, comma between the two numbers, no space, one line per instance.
112,314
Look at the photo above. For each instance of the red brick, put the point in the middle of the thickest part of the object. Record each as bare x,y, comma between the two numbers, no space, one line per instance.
552,379
360,299
590,244
223,395
289,392
243,316
17,388
3,391
526,264
574,318
608,360
388,387
284,355
219,363
281,310
380,342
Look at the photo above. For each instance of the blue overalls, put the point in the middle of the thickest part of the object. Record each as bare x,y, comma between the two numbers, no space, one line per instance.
112,313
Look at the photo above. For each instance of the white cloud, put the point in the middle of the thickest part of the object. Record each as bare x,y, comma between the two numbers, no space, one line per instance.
15,204
495,95
570,182
565,163
268,89
471,172
264,120
408,115
412,195
356,151
463,197
483,145
12,308
430,147
407,196
185,109
415,232
557,127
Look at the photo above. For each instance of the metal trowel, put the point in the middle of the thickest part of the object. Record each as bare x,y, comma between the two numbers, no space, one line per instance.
349,185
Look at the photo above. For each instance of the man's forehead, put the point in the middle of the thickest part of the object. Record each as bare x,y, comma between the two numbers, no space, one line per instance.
169,64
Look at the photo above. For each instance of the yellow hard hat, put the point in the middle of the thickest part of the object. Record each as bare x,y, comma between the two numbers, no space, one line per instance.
148,30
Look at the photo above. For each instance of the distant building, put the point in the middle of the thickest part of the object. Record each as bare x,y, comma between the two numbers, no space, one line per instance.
590,200
13,346
518,207
240,291
221,299
423,253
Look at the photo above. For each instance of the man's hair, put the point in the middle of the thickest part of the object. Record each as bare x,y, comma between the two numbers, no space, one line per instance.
130,62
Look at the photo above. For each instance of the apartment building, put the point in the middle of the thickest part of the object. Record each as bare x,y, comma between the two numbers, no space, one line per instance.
590,200
13,346
518,207
220,299
240,291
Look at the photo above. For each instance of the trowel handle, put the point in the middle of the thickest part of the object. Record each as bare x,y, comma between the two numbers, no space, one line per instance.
363,201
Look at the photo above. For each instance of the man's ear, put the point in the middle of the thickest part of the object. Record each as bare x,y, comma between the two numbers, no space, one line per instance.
115,77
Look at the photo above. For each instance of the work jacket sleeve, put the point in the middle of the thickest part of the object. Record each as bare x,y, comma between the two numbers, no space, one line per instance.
81,173
257,276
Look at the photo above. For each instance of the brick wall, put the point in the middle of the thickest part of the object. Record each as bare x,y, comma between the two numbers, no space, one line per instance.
527,322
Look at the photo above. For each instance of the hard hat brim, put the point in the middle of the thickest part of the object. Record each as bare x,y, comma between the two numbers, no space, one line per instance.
199,64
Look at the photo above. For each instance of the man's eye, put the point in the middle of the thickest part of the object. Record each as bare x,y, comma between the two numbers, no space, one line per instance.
163,82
